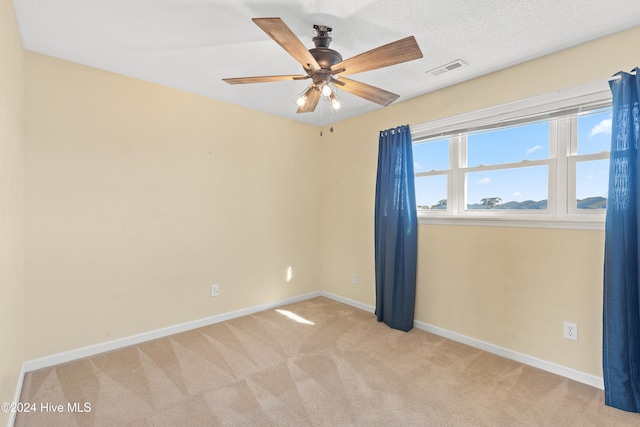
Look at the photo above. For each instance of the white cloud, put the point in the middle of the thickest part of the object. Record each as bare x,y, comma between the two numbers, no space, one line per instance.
590,176
485,180
532,149
602,127
416,166
516,194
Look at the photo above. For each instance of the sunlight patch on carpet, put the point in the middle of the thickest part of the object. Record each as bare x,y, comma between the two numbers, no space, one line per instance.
295,317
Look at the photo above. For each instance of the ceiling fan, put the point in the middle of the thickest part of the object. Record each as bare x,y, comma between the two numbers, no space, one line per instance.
326,68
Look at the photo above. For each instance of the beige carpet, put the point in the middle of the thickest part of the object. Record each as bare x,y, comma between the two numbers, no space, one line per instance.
313,363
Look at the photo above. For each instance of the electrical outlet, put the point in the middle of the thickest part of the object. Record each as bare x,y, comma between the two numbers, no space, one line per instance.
571,331
214,290
354,279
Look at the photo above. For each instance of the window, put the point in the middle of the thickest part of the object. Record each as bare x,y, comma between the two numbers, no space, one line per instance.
544,162
431,164
589,160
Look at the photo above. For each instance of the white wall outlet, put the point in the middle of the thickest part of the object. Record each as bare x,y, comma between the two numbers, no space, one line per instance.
571,331
214,290
354,279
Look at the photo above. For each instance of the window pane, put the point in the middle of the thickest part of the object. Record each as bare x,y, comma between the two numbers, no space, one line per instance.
592,184
431,155
518,188
431,192
594,132
528,142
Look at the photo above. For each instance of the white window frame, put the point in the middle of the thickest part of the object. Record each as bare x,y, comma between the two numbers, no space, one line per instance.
561,163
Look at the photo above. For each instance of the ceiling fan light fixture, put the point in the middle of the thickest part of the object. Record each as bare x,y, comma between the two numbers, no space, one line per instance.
303,97
337,103
326,90
300,100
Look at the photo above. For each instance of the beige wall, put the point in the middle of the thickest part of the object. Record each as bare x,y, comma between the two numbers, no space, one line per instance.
506,286
11,206
138,197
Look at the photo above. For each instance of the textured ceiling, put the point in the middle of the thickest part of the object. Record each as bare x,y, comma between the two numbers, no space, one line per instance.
192,44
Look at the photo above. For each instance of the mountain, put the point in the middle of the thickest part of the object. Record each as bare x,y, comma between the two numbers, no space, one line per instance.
527,204
588,203
592,203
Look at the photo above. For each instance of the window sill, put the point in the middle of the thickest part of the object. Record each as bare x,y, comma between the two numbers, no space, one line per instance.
518,221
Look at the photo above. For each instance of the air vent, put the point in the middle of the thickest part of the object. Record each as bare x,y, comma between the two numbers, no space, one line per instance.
458,63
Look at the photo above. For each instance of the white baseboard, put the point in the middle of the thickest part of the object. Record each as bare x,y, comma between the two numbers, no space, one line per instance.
348,301
67,356
16,397
554,368
43,362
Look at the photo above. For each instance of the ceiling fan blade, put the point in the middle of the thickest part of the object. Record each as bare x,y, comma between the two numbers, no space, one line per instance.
368,92
312,102
263,79
282,34
403,50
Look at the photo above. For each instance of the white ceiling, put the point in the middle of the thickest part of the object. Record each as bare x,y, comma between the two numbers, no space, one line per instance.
192,44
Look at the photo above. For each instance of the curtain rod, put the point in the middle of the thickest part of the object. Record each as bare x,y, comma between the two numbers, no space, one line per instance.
611,79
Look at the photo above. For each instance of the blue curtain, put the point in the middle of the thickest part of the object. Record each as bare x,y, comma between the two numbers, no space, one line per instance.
621,311
396,230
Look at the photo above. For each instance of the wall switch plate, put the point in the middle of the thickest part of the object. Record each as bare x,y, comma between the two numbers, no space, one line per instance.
354,279
214,290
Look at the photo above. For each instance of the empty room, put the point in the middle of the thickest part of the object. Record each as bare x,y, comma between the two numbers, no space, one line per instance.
319,213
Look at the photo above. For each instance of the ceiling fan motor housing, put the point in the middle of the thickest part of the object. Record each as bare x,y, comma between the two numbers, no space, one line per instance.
325,56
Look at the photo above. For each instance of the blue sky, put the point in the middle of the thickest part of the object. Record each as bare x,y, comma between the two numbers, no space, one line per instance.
515,145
